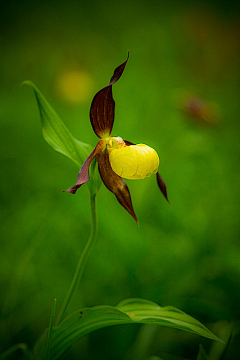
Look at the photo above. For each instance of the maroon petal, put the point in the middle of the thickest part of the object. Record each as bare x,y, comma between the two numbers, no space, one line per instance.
103,105
83,175
161,183
118,72
162,186
115,183
128,143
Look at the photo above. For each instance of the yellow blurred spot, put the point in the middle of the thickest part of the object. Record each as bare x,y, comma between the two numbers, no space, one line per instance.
131,315
74,86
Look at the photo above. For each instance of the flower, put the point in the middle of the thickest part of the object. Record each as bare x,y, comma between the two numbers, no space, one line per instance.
116,157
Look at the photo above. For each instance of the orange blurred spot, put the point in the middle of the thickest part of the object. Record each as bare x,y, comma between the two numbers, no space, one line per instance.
197,108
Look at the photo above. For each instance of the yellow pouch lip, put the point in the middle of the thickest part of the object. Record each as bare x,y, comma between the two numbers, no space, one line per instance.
134,161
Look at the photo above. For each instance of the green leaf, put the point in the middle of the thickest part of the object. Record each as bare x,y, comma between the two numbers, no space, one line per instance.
227,345
23,348
130,311
148,312
56,133
202,354
220,350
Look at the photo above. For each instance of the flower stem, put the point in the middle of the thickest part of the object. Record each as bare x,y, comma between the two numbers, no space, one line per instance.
83,259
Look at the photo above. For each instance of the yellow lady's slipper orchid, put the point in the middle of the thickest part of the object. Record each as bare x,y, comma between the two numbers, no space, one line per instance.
116,157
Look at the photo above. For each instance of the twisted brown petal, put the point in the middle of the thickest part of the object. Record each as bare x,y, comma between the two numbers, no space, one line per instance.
83,175
128,143
115,183
118,72
162,186
103,105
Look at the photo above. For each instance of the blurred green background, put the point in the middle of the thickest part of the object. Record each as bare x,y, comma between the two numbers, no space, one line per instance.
179,94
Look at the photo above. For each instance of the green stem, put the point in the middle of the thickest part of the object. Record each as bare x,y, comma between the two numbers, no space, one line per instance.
82,261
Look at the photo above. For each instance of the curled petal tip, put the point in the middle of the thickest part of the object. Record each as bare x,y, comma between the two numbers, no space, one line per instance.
103,105
73,189
162,186
118,72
